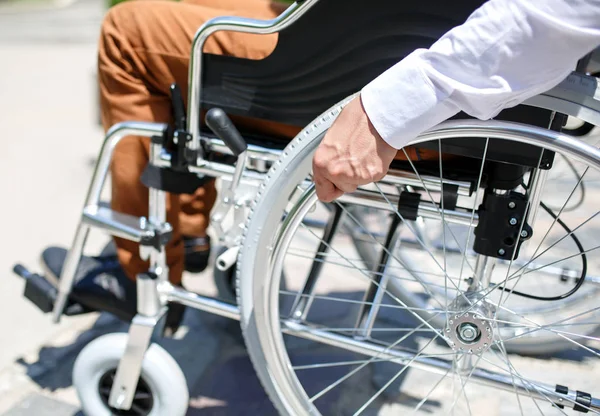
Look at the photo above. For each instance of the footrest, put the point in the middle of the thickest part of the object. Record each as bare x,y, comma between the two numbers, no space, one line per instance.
42,293
100,284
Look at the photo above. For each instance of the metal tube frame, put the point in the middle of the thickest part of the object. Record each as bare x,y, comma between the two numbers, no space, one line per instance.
578,96
536,186
484,266
303,301
153,297
235,24
369,309
130,366
143,326
157,217
113,137
434,365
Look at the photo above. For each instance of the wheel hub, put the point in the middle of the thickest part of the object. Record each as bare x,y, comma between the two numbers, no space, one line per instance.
470,330
143,401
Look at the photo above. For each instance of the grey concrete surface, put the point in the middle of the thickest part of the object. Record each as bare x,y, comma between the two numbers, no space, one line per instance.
47,113
50,22
49,119
42,406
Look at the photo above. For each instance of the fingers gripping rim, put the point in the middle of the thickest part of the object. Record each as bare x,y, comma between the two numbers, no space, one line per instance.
259,229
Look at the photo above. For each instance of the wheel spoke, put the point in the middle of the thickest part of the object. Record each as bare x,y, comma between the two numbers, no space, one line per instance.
391,254
541,390
441,211
419,240
423,272
523,382
356,362
444,228
394,378
485,149
392,329
460,361
528,206
504,357
536,327
561,260
553,245
464,382
301,305
391,295
548,232
361,302
520,325
383,305
367,362
557,333
429,393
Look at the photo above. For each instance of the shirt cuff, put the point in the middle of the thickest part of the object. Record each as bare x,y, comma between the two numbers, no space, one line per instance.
403,102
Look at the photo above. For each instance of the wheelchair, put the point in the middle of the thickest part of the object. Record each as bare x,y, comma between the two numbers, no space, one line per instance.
474,252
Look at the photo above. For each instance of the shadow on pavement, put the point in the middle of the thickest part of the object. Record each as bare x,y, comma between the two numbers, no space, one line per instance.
222,380
52,370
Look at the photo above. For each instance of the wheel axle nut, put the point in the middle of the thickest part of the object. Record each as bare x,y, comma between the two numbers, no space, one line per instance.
468,332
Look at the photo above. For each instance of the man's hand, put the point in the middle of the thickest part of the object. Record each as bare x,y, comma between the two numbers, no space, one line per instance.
351,154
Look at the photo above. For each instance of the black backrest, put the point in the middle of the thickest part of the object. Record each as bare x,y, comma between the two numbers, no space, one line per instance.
335,49
332,51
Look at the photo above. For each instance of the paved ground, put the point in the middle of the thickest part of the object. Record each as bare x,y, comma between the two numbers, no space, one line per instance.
50,138
49,119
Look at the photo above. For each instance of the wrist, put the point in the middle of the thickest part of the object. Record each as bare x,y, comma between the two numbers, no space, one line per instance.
373,129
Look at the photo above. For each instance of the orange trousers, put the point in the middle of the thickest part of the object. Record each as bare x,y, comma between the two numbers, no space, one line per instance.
144,47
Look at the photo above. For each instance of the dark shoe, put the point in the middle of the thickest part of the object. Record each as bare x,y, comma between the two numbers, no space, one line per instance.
100,283
197,253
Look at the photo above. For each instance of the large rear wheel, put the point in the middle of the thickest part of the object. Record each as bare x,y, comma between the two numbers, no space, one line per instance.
439,328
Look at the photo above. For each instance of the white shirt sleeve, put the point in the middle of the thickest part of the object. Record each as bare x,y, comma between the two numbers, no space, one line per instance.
506,52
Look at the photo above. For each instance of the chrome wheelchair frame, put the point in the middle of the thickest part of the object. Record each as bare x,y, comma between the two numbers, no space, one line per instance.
577,96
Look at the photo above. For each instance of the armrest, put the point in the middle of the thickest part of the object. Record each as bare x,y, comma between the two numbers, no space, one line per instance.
577,96
235,24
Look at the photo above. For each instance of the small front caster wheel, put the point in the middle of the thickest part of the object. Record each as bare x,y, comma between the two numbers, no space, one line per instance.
161,390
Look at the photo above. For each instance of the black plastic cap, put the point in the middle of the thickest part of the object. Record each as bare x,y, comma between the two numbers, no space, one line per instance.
178,107
224,129
20,270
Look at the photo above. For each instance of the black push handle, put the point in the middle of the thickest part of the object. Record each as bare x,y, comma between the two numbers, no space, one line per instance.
224,129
